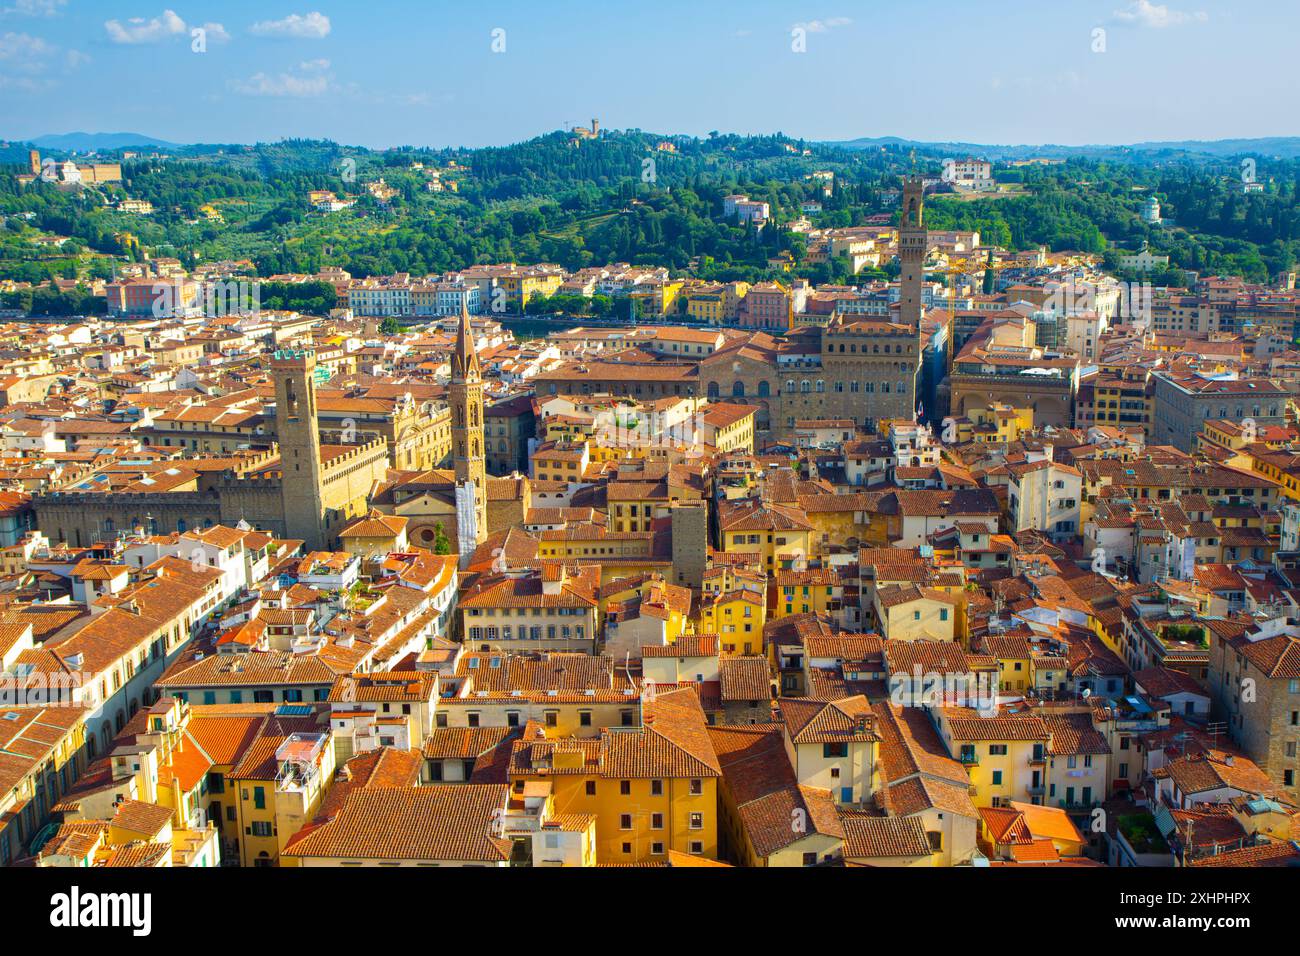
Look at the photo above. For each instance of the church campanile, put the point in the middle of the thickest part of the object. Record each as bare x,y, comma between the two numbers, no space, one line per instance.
466,395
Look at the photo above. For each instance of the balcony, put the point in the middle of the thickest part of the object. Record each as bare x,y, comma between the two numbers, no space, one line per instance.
295,777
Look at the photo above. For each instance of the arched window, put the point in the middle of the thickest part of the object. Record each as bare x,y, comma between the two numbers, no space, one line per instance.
805,386
182,525
821,385
764,389
714,391
738,390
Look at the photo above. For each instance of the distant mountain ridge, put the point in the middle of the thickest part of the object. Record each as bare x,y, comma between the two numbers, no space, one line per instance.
89,142
1282,147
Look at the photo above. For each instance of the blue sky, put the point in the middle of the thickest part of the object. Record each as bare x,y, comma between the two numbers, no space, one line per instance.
425,72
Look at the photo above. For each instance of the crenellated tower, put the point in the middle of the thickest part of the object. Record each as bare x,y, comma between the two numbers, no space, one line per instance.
912,247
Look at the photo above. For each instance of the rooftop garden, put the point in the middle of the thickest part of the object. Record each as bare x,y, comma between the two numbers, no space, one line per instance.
1139,829
1185,634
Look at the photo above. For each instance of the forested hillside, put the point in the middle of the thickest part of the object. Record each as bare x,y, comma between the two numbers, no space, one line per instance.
627,196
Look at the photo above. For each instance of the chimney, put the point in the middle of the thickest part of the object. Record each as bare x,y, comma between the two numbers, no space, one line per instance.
553,579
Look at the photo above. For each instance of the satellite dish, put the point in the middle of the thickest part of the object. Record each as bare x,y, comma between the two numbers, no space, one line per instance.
1087,692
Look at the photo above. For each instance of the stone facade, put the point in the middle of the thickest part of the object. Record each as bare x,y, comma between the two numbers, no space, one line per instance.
1180,407
1261,707
856,368
317,491
509,426
1051,399
690,534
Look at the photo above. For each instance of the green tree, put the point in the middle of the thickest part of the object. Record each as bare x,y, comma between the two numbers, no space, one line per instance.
441,543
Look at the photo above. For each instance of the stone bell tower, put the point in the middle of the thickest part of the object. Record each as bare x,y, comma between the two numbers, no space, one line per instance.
912,247
301,489
467,438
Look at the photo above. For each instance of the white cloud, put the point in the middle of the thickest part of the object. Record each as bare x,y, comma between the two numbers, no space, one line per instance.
26,84
823,26
1157,15
309,26
22,51
139,30
168,25
27,62
217,33
36,8
311,78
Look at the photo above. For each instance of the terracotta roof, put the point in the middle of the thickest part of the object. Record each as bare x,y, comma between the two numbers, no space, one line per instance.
744,678
868,837
775,811
920,793
140,817
436,822
1268,854
818,722
445,743
1165,682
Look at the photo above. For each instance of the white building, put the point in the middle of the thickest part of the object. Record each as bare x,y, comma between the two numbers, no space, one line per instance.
974,175
1045,496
